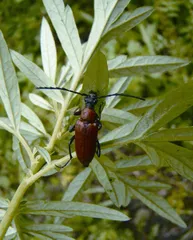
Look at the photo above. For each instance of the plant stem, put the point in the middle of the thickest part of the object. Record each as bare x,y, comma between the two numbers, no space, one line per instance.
25,184
26,146
13,206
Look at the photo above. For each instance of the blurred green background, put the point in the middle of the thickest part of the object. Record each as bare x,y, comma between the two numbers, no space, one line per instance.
168,31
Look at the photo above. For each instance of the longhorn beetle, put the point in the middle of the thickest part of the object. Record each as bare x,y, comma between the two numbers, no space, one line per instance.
87,126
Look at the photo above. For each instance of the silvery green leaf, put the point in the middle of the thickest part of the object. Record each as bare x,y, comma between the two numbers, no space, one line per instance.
139,105
126,22
76,185
165,110
118,134
117,116
105,13
71,209
6,124
173,134
118,187
178,158
102,175
29,132
65,75
143,65
18,151
10,234
47,235
145,184
4,203
120,86
47,228
36,75
157,158
117,11
64,24
158,204
48,50
40,102
33,119
9,90
134,163
44,153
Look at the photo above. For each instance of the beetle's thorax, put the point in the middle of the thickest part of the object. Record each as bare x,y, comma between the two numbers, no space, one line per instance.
89,115
91,100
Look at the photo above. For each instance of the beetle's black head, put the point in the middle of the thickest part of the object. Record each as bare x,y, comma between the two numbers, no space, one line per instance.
91,99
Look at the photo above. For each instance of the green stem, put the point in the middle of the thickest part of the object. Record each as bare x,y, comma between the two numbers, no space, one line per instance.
25,184
12,209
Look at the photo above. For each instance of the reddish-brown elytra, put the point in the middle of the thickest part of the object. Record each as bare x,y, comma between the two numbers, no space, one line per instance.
87,126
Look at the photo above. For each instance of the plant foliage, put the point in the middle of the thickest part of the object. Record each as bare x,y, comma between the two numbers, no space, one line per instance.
88,69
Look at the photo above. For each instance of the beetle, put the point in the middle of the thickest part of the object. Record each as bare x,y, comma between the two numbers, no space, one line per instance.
87,126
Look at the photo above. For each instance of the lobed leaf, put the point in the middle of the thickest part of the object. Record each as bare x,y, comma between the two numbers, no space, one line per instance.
135,163
104,179
70,209
64,24
36,75
117,116
173,134
144,184
178,158
120,86
126,22
119,67
47,227
159,205
105,13
32,118
29,132
9,90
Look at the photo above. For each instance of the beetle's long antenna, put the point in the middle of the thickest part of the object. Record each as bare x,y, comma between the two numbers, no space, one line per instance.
122,94
64,89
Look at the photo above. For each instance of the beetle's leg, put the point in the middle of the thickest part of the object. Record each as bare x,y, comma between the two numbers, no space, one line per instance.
98,148
69,146
99,124
71,128
70,153
77,112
